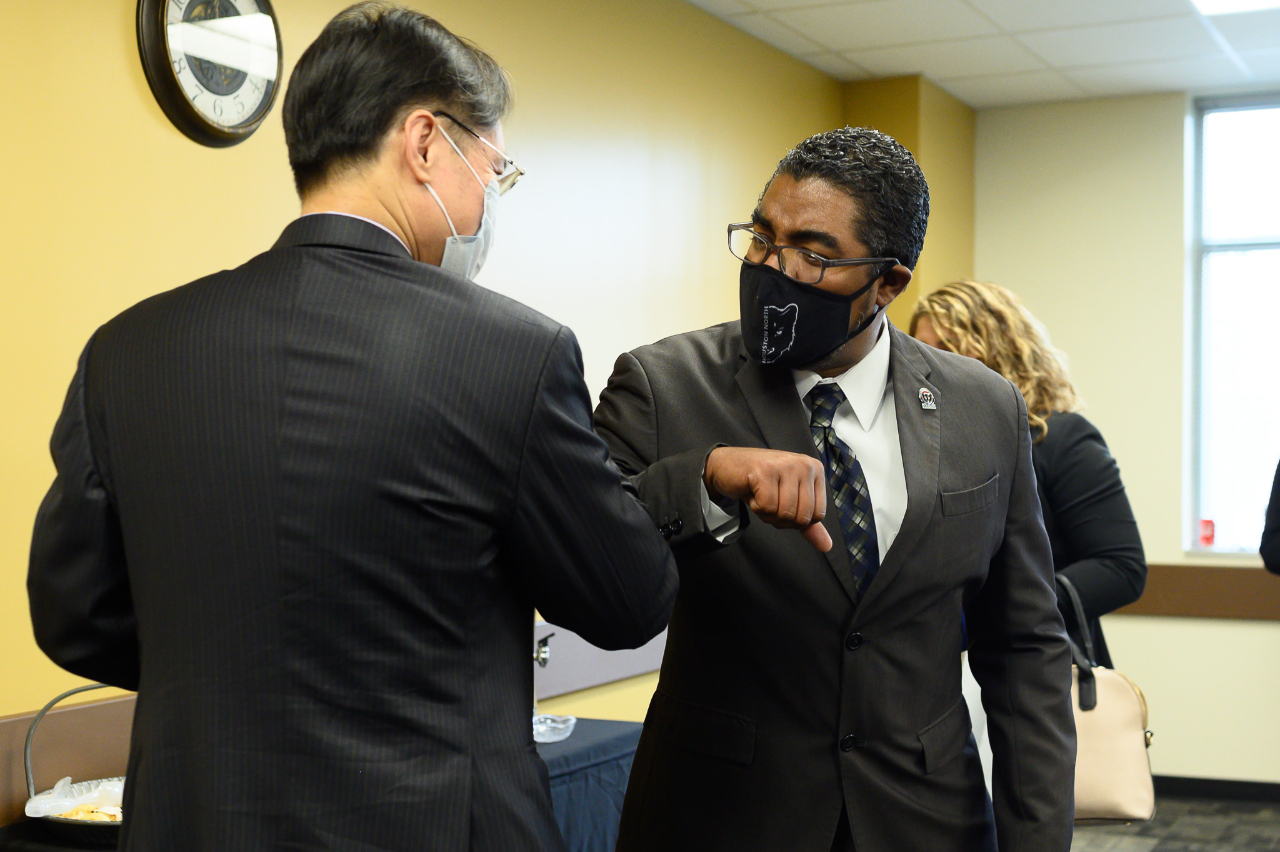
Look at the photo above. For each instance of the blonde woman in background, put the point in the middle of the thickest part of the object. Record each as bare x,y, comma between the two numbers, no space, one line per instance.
1086,513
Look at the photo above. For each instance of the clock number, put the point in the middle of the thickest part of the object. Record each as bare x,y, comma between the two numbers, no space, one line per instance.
204,99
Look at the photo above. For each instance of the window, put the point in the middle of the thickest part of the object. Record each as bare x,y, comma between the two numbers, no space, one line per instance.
1236,434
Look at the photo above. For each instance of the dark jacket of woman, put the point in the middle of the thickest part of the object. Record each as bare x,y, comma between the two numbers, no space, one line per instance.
1270,547
1090,524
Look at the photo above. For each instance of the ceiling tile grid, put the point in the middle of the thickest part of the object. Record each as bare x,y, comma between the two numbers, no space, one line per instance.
1012,89
1131,41
941,60
993,53
884,23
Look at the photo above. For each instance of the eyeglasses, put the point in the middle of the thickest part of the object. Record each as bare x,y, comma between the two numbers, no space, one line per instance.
796,263
510,173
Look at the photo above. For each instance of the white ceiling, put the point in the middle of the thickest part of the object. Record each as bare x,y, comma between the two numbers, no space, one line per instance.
1000,52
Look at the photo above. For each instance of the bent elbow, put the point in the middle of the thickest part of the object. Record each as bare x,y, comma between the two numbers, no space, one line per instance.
1137,580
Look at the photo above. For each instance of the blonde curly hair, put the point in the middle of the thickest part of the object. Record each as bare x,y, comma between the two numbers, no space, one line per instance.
989,323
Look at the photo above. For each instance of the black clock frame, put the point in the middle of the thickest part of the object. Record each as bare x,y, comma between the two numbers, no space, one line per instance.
153,48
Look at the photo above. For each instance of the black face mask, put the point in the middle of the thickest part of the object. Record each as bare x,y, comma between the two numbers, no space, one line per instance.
789,324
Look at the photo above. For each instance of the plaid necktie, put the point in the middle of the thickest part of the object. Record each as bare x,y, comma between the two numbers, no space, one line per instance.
848,486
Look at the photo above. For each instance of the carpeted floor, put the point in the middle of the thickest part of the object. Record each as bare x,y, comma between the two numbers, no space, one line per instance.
1190,825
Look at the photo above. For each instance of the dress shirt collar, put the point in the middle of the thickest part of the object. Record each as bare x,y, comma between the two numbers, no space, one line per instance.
362,219
863,384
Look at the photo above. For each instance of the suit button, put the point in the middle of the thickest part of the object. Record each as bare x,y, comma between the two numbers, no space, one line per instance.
676,526
665,529
848,743
853,641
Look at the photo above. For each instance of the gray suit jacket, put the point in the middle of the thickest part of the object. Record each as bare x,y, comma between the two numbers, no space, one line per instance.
780,702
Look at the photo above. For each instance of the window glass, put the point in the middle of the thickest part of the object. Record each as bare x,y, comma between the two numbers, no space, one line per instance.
1239,404
1241,175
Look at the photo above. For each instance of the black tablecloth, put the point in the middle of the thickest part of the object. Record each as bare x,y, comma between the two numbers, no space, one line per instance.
32,836
588,781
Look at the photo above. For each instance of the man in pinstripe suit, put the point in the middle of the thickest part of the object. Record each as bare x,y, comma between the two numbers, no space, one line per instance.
306,507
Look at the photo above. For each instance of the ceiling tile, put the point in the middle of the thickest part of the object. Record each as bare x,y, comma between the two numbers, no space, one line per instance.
939,60
837,66
1250,30
883,23
1265,64
1170,38
721,7
1018,15
795,4
1009,89
1176,75
779,35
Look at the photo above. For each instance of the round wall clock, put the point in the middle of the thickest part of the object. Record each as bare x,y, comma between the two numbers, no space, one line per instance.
214,65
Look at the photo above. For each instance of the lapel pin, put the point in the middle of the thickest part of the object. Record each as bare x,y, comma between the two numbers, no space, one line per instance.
926,400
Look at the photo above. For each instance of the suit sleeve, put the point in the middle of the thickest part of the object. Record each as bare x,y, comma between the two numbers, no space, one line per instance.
594,562
1020,657
77,582
671,487
1087,500
1270,547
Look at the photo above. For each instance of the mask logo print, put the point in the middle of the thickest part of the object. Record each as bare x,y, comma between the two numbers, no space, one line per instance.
779,331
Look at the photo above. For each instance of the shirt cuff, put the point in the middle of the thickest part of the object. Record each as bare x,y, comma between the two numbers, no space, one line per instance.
720,524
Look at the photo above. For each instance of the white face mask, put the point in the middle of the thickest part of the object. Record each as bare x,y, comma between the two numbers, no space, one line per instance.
465,255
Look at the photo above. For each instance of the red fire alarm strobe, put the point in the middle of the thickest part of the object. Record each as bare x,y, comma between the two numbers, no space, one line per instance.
1206,533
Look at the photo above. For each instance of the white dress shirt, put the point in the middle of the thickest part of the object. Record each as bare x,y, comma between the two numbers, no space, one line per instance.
867,421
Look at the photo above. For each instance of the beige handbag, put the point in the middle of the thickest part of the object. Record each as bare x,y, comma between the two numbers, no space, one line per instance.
1113,773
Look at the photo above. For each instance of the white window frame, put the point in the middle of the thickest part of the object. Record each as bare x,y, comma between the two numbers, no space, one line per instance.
1200,250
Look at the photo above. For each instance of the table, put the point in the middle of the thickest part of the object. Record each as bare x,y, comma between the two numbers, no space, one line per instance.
31,836
588,781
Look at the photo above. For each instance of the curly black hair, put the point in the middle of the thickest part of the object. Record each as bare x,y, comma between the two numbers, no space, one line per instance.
882,177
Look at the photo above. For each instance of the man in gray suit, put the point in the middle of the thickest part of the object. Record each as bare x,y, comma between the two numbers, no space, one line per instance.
810,694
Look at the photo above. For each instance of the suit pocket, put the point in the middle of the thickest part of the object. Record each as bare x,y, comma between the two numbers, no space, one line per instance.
706,730
972,499
945,737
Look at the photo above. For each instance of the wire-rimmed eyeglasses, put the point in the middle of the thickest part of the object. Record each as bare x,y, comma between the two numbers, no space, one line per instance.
796,263
510,173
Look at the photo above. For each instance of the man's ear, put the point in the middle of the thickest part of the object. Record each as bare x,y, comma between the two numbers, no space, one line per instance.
417,133
895,281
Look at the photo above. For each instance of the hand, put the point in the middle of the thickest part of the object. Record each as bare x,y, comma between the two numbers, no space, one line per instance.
785,490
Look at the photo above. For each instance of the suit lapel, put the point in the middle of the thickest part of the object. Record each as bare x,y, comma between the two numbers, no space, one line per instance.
918,435
780,416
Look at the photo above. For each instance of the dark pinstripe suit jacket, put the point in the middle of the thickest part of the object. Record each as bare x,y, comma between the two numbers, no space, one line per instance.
306,507
781,700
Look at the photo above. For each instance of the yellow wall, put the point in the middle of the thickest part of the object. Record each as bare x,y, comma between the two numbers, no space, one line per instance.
946,156
1081,209
640,140
627,700
939,131
890,105
1211,685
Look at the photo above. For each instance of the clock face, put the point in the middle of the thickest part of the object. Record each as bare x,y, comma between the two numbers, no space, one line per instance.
213,65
